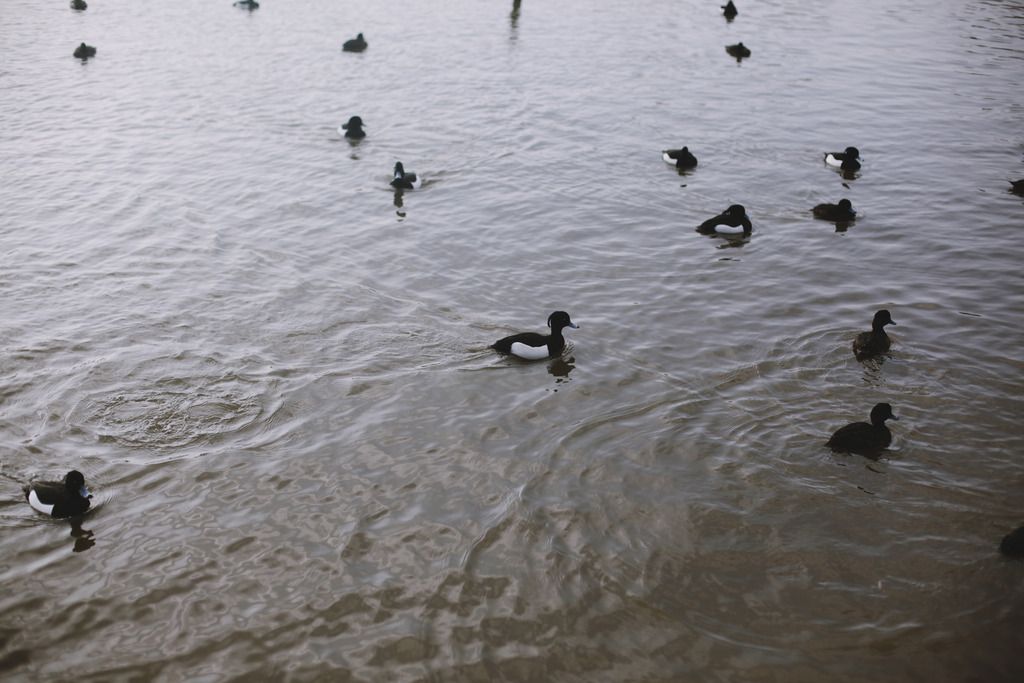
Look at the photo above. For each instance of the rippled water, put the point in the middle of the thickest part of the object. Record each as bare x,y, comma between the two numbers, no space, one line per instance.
307,464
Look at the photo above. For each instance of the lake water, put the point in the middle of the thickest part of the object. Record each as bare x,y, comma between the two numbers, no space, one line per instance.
307,464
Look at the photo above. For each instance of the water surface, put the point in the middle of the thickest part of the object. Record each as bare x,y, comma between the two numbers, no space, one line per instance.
307,464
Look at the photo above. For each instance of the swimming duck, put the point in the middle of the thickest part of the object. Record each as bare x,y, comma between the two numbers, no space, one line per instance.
84,51
357,44
864,438
732,221
729,10
1017,186
848,160
1012,544
403,180
60,499
247,4
353,129
78,4
680,158
739,51
534,346
837,213
869,344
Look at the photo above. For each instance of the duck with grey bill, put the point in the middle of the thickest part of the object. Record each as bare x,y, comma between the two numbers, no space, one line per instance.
353,129
68,498
732,221
405,180
864,438
847,160
870,344
534,346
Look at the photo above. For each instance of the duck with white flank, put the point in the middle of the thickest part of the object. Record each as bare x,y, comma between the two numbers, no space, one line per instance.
404,180
870,344
847,160
680,158
863,438
534,346
68,498
357,44
732,221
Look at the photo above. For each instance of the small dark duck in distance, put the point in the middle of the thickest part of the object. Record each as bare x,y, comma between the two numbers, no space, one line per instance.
837,213
357,44
876,342
354,128
534,346
84,51
739,51
863,438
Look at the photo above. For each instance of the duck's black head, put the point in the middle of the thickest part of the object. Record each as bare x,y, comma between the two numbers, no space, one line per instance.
880,413
354,122
736,211
74,483
881,319
360,37
559,320
399,169
845,205
852,153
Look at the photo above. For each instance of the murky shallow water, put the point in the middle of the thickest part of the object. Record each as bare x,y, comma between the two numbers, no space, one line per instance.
309,466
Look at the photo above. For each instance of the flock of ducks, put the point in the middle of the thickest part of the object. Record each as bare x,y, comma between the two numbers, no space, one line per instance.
71,498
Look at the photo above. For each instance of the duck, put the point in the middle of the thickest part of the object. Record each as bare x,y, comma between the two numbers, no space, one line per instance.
84,51
863,438
534,346
837,213
732,221
247,4
729,10
404,180
353,129
870,344
847,160
68,498
1012,544
357,44
680,158
78,5
1017,186
739,51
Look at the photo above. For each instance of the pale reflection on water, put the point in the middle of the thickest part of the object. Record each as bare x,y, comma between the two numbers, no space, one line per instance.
273,368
